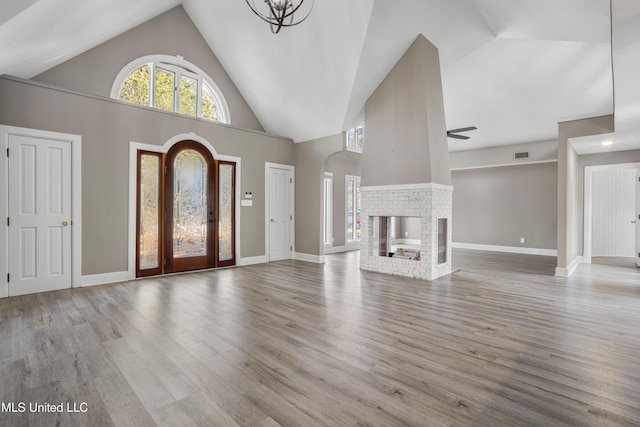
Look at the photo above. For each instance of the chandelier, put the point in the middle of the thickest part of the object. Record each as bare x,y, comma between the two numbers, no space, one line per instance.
279,13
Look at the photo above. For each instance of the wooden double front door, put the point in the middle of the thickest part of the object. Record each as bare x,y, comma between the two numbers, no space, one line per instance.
185,210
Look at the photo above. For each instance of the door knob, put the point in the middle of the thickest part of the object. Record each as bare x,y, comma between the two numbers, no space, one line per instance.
65,223
272,220
633,222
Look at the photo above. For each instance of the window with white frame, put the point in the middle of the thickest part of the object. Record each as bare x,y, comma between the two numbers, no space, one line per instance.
171,83
327,230
354,140
352,204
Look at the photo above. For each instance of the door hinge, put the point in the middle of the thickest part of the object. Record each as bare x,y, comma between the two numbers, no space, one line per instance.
291,217
8,222
8,277
290,180
7,151
291,248
165,170
165,261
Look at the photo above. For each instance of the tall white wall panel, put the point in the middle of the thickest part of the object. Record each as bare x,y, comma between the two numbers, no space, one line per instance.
614,198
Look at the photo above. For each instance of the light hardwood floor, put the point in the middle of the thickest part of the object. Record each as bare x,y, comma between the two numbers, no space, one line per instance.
499,342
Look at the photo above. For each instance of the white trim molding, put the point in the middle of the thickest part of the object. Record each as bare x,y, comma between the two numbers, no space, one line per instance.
316,259
105,278
501,165
507,249
568,271
76,199
262,259
344,248
133,164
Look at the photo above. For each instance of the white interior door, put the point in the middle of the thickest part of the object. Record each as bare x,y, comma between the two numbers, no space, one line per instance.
637,217
613,208
39,214
280,213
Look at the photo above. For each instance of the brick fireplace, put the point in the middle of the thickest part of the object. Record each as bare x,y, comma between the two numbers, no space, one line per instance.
432,204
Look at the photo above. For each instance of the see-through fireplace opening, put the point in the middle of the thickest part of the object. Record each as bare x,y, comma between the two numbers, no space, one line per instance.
442,240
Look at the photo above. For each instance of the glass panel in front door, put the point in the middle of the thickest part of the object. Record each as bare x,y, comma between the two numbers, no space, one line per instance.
149,212
190,205
225,215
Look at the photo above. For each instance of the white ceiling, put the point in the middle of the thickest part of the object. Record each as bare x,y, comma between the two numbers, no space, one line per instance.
513,68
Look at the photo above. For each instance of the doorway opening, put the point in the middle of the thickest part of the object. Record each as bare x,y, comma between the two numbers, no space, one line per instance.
185,210
611,212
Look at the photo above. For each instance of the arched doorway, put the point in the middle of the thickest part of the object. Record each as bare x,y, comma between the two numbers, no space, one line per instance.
185,210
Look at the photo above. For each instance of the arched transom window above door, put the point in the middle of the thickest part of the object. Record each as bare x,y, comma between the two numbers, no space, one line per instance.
171,83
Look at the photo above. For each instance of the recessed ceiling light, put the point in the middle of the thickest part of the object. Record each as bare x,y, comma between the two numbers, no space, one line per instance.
607,142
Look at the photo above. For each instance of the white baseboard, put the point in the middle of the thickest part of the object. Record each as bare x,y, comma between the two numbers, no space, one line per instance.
343,248
568,271
318,259
253,260
103,279
510,249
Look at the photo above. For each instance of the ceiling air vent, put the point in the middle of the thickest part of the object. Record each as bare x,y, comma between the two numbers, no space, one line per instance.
521,155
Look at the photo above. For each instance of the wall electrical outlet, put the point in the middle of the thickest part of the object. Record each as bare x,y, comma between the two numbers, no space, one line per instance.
522,240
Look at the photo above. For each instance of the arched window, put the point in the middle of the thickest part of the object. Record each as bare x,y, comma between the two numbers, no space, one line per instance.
171,83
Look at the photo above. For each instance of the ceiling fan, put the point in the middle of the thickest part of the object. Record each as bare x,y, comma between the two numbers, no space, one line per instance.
453,133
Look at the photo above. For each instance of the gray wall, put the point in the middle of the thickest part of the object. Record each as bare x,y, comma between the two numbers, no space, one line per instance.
106,127
172,33
499,205
341,164
310,157
406,139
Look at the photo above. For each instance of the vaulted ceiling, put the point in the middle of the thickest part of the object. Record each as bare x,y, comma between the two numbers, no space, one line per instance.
513,68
